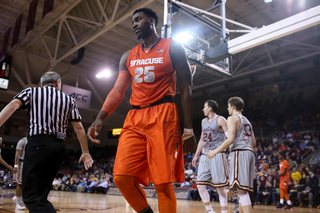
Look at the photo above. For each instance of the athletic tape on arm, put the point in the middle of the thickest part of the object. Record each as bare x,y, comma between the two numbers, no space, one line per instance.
116,94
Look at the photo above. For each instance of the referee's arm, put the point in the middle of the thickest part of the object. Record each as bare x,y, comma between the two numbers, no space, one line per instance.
9,110
82,137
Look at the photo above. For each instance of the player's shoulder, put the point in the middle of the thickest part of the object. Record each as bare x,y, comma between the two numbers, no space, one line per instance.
204,120
173,44
234,117
221,118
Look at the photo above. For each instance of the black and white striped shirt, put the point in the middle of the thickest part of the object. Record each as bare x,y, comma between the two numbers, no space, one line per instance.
49,110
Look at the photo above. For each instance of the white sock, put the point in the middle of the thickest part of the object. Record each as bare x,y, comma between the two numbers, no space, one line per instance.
19,201
289,202
224,211
209,207
281,201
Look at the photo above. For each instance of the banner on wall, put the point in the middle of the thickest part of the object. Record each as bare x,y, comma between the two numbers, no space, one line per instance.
82,96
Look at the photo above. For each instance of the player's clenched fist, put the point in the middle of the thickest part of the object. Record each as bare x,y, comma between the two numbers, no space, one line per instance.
189,140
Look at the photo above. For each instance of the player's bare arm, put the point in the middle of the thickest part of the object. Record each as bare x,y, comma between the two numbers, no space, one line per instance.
222,123
232,131
184,78
113,99
254,141
199,148
9,109
16,161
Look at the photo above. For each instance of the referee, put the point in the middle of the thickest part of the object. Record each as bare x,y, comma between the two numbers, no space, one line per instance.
49,111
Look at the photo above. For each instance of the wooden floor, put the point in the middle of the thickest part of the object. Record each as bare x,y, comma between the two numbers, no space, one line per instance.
74,202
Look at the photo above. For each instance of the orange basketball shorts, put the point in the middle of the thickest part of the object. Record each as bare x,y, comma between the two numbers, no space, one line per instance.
284,183
150,145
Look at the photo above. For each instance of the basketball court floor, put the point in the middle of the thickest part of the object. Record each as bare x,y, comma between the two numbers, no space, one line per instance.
74,202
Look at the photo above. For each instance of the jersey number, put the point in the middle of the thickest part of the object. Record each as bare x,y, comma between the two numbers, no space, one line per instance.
207,137
247,130
148,74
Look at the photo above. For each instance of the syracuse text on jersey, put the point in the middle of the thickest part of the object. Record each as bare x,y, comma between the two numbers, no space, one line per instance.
139,62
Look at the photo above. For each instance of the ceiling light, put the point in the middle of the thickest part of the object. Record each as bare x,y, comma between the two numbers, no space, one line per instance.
267,1
183,37
104,74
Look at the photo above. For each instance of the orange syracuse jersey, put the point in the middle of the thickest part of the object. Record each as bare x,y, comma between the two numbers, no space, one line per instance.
284,165
153,76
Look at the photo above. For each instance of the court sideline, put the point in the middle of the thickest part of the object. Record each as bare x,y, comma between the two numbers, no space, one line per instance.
74,202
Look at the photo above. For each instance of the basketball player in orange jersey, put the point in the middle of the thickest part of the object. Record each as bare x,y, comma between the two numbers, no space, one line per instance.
284,181
150,145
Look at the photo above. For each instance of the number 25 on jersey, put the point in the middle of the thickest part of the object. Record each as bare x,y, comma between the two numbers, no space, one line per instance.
145,74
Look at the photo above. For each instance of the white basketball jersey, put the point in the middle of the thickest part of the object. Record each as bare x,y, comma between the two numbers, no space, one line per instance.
243,138
21,145
212,135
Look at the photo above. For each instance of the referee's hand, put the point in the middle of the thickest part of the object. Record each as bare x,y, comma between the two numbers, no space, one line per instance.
87,160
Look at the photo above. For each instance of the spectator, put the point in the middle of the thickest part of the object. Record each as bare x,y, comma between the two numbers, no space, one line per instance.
303,179
186,183
271,177
92,185
260,189
82,185
267,193
314,182
294,159
313,160
102,187
55,183
295,175
188,172
193,193
315,142
293,192
306,192
262,156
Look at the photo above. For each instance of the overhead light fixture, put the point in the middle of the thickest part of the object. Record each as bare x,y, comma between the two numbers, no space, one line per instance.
267,1
104,74
183,37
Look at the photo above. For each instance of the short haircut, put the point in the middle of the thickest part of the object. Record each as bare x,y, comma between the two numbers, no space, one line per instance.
213,104
49,78
149,12
237,102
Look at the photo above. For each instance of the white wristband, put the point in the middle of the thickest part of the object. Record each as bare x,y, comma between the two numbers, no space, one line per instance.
226,134
16,166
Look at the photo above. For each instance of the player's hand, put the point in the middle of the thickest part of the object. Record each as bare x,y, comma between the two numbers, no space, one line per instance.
87,160
189,141
211,154
194,161
93,131
15,170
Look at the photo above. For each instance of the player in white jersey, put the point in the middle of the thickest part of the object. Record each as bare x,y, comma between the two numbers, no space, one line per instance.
17,170
241,140
212,172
